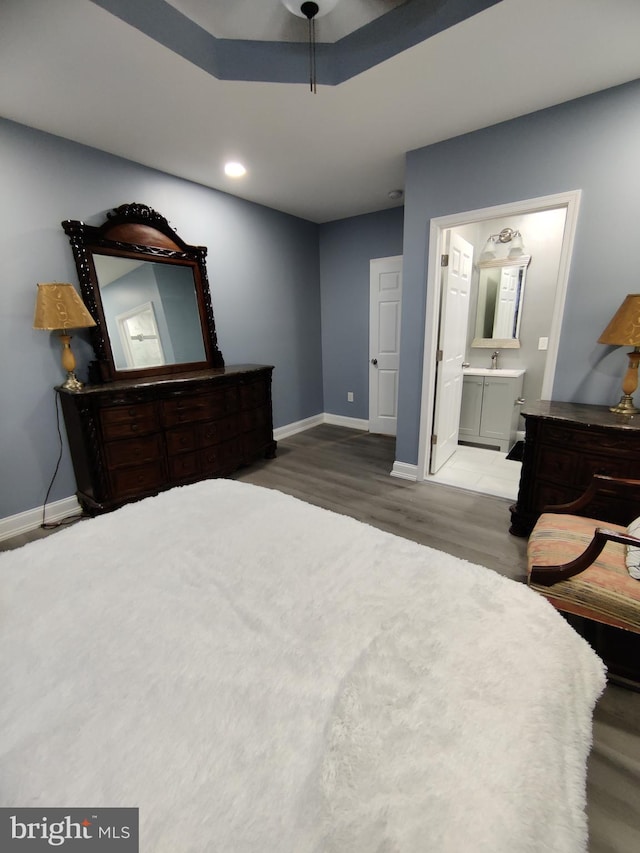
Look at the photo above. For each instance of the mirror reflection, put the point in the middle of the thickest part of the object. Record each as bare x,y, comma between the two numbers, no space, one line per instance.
151,312
501,286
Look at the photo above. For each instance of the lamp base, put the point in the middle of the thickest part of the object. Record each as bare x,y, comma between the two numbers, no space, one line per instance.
72,383
625,406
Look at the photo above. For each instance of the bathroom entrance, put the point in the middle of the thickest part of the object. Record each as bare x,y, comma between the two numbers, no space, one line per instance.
516,299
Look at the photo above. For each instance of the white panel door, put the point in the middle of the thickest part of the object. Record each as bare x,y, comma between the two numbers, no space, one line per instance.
452,343
385,308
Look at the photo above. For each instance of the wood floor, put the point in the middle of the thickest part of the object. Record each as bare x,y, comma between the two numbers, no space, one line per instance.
348,471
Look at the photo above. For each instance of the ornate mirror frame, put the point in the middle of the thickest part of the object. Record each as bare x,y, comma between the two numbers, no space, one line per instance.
139,233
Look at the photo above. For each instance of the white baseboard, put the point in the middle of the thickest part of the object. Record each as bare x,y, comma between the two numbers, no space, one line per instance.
23,522
405,471
342,420
298,426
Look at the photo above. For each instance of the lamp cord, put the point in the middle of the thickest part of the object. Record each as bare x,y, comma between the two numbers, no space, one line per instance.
69,519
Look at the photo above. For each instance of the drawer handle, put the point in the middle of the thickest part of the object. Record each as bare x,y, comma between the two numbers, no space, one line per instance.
134,427
132,412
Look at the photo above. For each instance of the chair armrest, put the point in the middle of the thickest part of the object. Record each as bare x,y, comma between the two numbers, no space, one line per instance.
601,486
548,575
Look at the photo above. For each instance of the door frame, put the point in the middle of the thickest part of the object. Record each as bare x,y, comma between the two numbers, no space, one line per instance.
569,200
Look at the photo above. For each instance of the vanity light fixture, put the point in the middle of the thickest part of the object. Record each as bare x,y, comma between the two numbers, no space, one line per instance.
624,331
58,307
233,169
507,235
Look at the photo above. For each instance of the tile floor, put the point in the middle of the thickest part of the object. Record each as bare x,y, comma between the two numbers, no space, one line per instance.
481,470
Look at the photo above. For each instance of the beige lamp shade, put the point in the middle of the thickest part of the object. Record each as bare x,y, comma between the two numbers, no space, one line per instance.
624,331
58,306
624,328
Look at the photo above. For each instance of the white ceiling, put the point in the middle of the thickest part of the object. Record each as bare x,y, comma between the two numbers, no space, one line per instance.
70,68
270,20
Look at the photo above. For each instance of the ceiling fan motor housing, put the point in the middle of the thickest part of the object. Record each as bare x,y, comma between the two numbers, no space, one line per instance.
309,10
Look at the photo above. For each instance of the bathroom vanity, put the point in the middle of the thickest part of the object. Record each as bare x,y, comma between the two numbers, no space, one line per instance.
490,409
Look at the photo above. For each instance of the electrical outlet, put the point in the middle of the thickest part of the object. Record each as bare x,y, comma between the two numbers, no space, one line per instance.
349,396
543,343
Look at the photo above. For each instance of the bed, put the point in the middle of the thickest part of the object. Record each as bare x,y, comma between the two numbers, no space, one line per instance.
257,674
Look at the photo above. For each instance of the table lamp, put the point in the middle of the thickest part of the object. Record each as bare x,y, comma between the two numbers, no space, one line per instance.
58,307
624,331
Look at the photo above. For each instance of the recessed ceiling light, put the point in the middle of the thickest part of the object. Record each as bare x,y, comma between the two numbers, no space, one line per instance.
234,170
395,194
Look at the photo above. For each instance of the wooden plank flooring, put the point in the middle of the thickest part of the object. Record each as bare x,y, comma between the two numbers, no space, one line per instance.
347,471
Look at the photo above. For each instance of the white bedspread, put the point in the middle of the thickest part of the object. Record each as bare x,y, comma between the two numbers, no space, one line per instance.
260,675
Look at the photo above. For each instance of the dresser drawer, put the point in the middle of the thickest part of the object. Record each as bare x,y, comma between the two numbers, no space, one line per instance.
183,467
129,482
201,407
133,451
214,432
125,421
221,458
611,466
180,439
557,464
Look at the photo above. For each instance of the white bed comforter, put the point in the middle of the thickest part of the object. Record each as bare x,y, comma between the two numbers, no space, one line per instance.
260,675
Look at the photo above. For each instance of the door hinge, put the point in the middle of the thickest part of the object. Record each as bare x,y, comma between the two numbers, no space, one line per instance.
439,355
444,260
434,440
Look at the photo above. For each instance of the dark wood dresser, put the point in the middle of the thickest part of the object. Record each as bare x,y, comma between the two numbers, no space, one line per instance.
134,437
565,443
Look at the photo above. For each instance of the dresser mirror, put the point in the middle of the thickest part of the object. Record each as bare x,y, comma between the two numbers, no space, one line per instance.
500,301
149,294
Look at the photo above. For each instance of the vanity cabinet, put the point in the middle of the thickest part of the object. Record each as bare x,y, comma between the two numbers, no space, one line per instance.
565,444
131,438
490,409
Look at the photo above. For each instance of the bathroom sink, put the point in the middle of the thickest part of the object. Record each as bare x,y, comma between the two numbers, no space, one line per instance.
489,371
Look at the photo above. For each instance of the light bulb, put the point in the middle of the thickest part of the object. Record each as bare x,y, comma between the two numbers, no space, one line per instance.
489,251
517,247
234,169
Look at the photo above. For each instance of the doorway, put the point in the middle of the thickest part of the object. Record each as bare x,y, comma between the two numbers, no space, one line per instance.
479,222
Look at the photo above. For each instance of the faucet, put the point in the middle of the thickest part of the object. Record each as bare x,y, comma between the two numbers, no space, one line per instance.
494,360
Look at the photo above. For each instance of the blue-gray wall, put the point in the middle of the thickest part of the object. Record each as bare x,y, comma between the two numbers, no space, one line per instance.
346,247
274,277
263,269
591,144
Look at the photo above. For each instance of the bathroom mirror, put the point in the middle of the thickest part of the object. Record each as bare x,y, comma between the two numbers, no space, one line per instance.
500,300
148,292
